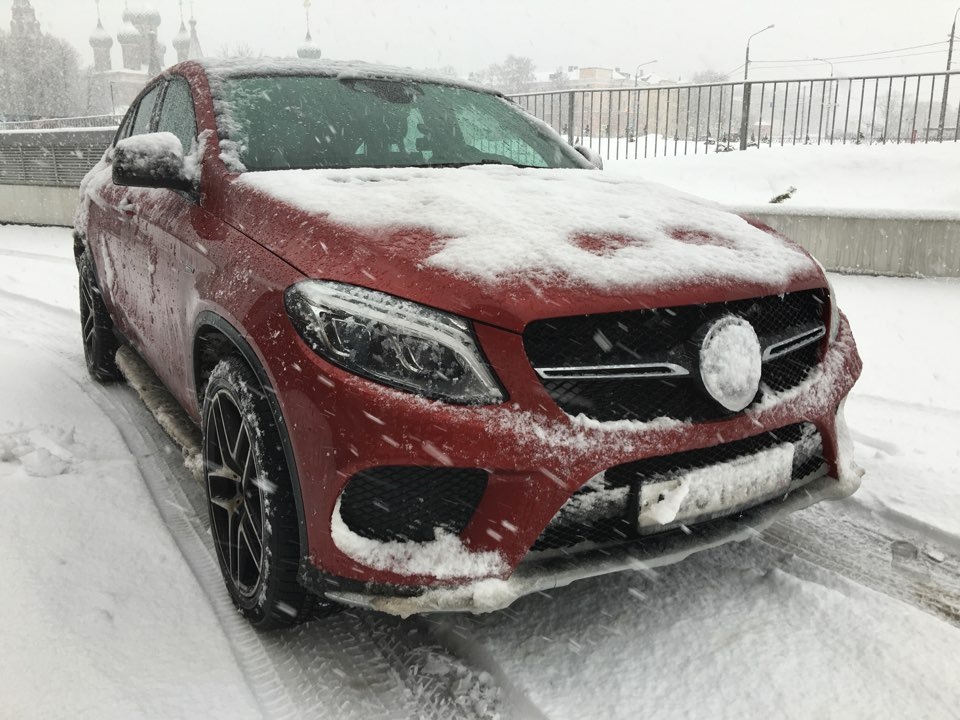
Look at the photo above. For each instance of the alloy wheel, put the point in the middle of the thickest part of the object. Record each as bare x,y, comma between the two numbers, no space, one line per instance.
234,487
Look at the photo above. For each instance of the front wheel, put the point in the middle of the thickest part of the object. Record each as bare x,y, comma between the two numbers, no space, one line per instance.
253,517
99,341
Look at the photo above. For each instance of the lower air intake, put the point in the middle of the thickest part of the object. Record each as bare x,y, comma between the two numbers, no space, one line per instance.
408,503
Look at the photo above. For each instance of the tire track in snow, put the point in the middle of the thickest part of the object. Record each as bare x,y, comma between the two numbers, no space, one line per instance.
42,305
932,409
37,256
855,547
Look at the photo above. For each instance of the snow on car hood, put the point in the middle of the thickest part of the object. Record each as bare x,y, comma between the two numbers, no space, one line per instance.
507,245
570,226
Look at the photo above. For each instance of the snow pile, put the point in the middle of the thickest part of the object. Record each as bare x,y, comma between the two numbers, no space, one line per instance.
42,452
444,558
576,226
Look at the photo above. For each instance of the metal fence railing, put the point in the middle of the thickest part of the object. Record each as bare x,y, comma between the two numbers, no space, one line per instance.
87,121
640,122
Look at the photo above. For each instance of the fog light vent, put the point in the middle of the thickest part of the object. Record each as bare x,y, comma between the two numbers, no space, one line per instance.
407,503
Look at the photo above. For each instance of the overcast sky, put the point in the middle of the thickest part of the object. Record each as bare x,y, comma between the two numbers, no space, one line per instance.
684,37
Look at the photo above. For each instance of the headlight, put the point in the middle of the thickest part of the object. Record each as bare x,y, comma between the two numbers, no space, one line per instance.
396,342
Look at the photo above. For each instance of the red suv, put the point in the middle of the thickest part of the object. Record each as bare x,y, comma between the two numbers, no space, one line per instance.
439,360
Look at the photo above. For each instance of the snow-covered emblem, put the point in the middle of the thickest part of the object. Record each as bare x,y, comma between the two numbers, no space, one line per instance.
730,362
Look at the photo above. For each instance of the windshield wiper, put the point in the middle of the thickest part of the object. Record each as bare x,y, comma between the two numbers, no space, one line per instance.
485,161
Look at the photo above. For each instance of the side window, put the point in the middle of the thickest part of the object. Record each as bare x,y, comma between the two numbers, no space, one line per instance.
124,131
176,113
141,123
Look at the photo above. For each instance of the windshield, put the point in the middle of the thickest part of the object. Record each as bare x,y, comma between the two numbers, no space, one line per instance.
324,122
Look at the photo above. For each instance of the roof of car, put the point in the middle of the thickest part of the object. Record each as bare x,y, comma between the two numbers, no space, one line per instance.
345,70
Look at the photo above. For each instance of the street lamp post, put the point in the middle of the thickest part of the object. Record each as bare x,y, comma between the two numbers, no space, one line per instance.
746,60
946,80
828,63
745,113
636,83
828,103
636,73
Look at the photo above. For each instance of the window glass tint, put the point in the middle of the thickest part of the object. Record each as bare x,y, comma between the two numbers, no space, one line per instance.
323,122
176,113
145,110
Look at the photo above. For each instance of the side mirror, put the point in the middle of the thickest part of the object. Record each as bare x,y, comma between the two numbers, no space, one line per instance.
591,156
153,160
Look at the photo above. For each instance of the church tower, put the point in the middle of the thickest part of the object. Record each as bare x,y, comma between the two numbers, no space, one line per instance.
308,50
181,41
101,42
187,44
24,23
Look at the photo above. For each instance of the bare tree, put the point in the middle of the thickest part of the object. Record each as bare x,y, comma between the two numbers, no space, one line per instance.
239,49
512,75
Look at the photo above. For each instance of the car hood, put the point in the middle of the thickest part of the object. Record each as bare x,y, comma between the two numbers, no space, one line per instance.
506,245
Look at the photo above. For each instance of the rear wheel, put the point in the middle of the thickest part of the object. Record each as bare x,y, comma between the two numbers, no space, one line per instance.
253,517
99,341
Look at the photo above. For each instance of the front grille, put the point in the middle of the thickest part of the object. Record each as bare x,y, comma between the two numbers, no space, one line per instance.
665,335
604,510
407,503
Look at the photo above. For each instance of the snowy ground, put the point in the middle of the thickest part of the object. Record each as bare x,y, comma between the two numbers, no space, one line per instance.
111,605
882,177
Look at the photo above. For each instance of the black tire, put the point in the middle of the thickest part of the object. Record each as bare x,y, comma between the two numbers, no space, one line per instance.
253,517
100,342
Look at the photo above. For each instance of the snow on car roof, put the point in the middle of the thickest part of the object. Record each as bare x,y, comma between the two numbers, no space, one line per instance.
577,227
343,69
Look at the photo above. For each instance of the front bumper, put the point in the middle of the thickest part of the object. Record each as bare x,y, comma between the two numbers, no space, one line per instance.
537,575
341,424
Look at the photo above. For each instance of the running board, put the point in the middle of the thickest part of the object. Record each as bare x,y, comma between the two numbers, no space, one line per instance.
161,404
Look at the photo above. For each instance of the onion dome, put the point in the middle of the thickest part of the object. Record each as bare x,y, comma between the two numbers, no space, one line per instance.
142,14
181,41
309,50
100,38
128,33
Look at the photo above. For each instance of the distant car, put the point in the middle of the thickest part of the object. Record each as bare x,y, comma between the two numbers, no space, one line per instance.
439,360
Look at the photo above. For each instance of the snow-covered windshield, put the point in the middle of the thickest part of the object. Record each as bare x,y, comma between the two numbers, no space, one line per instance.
280,122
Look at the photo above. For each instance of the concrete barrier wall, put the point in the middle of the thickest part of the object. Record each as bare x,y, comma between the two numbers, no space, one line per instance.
38,204
874,243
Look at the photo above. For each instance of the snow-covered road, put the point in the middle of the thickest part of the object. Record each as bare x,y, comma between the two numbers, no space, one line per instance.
111,605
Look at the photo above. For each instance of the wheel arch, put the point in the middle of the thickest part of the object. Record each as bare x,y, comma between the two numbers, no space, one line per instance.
214,337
